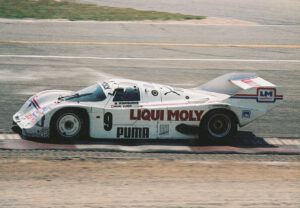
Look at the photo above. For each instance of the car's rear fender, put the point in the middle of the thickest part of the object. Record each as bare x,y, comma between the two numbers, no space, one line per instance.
254,102
221,107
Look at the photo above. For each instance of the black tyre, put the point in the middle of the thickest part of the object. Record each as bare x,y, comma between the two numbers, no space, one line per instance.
68,125
218,126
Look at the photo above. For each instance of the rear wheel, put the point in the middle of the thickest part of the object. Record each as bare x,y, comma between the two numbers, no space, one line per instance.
218,126
68,125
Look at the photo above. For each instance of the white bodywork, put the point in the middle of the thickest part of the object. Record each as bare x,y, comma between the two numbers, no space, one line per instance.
159,112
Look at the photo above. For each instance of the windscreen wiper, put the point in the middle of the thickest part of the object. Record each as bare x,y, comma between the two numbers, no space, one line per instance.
68,96
76,95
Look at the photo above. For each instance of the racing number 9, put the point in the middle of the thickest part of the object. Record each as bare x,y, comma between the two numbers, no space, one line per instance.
108,119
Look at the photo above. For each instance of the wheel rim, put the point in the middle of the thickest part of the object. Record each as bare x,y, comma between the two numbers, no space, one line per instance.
68,125
219,125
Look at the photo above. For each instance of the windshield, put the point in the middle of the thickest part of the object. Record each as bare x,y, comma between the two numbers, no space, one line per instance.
89,94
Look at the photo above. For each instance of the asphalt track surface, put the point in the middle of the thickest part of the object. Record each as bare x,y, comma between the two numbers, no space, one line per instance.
40,55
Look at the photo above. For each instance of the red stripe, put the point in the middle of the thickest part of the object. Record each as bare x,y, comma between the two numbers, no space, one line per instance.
163,104
246,95
249,95
35,102
250,82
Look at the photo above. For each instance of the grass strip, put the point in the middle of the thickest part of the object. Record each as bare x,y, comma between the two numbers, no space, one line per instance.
51,9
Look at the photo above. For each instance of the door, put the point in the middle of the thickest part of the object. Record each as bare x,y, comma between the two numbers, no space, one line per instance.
119,120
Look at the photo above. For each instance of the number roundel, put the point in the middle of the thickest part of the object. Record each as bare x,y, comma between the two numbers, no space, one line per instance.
108,120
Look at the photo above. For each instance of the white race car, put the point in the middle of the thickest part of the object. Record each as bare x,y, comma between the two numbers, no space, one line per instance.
121,108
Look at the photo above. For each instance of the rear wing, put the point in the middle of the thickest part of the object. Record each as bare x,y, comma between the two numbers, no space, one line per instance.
248,83
233,83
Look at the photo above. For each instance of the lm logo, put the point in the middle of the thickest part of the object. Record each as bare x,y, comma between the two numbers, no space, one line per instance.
267,95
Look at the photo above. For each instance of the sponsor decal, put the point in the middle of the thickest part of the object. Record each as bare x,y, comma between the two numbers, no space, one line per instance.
132,133
169,115
246,114
147,115
45,109
172,91
163,129
263,95
127,103
184,115
124,104
116,106
29,117
266,95
250,82
32,116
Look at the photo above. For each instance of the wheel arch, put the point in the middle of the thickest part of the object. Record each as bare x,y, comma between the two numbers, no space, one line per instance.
80,110
211,138
222,109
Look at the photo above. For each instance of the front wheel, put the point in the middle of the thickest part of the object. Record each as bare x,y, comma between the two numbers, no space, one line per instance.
218,126
67,125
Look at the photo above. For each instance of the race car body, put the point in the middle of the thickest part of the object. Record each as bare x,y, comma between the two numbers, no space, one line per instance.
121,108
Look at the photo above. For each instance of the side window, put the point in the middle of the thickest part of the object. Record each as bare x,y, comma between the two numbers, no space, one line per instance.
129,94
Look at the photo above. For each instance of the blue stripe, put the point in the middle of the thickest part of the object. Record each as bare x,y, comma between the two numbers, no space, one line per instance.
256,98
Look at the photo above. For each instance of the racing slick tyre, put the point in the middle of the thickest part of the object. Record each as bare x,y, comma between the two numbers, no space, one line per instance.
218,127
68,125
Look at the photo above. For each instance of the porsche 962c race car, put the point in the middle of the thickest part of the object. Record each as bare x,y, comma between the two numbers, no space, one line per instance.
121,108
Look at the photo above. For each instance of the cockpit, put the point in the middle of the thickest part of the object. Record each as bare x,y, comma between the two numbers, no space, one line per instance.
130,93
